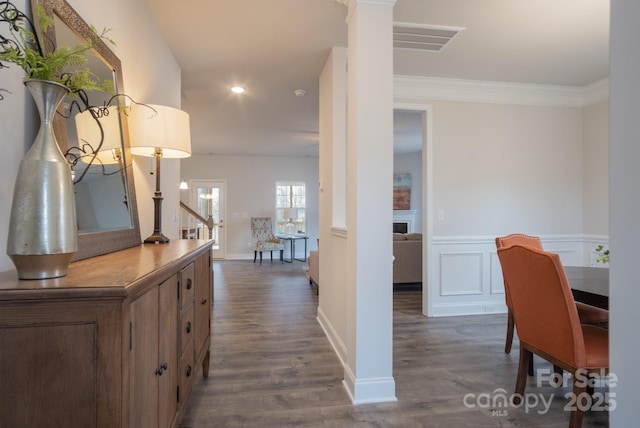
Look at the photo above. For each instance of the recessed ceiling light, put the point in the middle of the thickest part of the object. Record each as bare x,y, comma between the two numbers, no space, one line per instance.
237,89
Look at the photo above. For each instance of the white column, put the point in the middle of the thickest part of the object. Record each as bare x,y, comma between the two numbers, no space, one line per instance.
368,369
624,210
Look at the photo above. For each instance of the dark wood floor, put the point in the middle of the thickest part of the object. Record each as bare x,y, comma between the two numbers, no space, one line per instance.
272,366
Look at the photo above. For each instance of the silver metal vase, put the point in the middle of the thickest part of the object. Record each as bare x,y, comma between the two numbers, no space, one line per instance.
43,233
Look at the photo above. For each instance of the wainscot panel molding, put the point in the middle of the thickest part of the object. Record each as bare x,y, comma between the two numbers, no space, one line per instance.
460,273
497,282
466,278
434,88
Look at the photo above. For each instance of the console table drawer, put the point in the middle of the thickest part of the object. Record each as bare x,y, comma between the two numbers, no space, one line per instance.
187,284
186,327
187,371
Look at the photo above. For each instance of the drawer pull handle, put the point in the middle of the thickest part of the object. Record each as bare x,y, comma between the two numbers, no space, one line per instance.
189,327
189,285
204,301
188,370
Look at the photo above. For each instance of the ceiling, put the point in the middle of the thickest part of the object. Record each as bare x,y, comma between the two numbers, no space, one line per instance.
273,47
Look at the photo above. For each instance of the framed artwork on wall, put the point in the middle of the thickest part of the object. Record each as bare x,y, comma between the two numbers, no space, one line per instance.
402,191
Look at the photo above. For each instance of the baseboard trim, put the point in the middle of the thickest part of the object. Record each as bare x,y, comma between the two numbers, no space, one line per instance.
334,339
371,390
480,308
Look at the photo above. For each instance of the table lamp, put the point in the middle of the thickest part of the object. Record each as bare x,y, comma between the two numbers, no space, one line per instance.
110,152
89,133
290,214
159,131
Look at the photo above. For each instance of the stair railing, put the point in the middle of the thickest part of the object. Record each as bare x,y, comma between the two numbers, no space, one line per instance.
206,221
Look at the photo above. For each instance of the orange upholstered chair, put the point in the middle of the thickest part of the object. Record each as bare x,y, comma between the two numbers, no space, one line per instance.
547,319
588,314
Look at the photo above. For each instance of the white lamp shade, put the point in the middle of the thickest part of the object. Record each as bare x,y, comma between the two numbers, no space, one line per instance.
89,133
290,213
165,128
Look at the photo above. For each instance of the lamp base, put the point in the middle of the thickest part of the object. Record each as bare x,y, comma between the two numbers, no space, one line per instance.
157,238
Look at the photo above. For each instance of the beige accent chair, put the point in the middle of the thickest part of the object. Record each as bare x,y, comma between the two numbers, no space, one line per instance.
264,239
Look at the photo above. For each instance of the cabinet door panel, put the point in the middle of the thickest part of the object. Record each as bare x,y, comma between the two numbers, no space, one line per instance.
168,351
59,363
144,360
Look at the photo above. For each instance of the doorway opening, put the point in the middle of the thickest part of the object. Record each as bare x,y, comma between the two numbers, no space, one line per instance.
208,199
412,154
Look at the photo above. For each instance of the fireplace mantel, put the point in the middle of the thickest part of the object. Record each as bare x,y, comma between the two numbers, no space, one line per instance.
405,216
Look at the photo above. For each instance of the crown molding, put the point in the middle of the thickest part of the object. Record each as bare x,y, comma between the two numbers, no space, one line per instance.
596,92
436,88
352,3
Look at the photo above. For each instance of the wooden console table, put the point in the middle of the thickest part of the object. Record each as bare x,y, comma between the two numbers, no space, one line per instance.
115,343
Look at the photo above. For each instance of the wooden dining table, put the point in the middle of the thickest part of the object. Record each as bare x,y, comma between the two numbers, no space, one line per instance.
589,284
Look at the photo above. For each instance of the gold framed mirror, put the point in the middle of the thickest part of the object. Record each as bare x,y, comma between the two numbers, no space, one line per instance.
105,196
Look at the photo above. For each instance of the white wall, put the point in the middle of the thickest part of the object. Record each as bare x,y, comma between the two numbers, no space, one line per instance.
595,123
625,210
18,121
332,305
151,75
251,184
499,168
411,163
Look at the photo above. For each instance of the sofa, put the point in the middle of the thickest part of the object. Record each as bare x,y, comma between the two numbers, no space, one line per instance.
314,271
407,253
407,265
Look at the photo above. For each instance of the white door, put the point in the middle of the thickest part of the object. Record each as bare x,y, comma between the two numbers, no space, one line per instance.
208,199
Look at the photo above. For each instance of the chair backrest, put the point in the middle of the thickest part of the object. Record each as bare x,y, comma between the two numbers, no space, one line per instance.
516,239
543,306
262,229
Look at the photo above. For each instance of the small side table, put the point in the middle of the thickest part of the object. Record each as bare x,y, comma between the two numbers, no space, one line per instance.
292,239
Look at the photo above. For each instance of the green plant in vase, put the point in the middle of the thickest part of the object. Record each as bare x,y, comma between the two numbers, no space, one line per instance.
603,255
22,47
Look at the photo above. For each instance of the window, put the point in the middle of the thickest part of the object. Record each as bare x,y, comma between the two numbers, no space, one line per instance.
290,194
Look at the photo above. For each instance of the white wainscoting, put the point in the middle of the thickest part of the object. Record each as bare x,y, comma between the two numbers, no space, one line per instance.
466,278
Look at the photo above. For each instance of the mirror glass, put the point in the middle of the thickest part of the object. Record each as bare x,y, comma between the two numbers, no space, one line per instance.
105,194
100,182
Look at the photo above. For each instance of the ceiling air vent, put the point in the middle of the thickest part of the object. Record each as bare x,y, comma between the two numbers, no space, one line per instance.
430,38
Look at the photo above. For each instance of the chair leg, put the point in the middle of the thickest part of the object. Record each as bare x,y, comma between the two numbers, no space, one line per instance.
255,255
510,328
281,257
260,258
271,252
521,381
575,420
